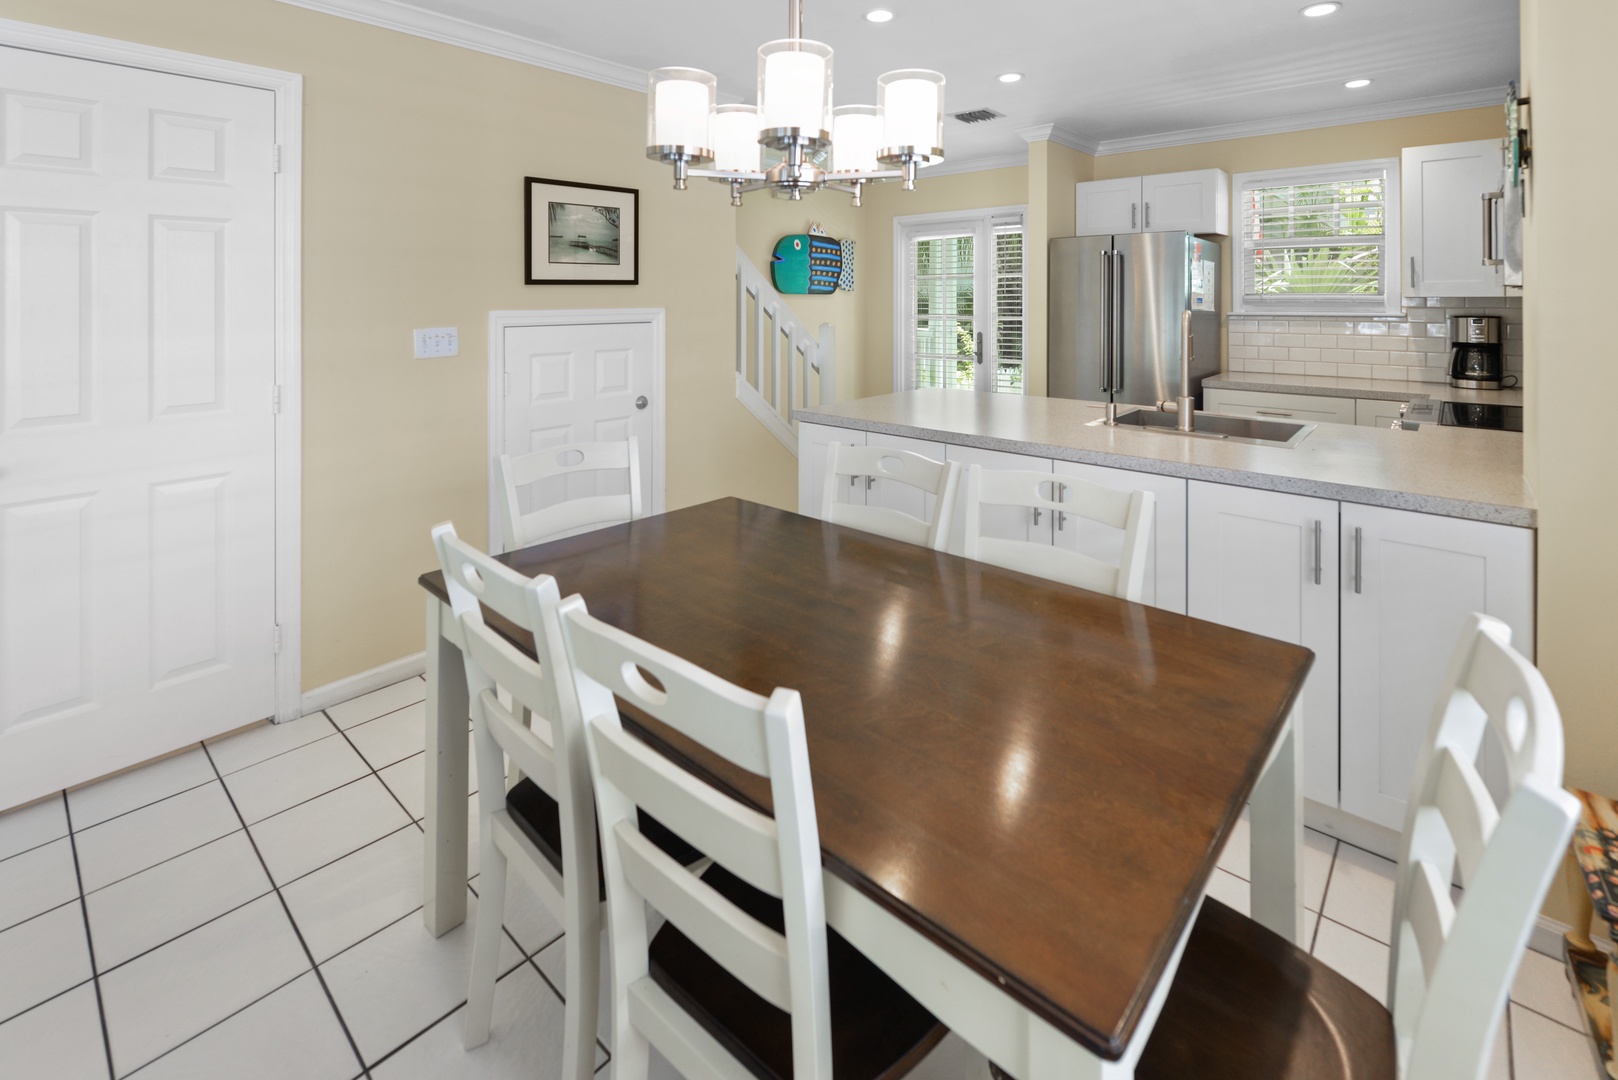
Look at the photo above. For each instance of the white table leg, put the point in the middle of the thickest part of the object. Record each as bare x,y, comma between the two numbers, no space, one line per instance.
1277,831
444,867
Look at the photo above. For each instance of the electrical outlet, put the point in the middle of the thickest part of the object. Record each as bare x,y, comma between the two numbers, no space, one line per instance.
440,341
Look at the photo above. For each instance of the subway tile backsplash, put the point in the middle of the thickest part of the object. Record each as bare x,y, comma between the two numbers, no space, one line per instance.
1412,346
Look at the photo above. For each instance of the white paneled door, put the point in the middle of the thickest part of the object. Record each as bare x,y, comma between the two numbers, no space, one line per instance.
580,382
137,448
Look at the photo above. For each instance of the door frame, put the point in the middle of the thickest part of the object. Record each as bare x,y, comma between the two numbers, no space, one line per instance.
501,321
287,87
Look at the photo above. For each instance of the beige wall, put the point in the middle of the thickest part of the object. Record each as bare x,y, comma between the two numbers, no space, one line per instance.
1570,356
414,153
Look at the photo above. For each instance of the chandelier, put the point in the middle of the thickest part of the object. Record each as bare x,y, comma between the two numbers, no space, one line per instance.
794,141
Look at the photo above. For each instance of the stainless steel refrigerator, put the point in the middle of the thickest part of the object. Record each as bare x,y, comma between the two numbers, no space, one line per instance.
1116,304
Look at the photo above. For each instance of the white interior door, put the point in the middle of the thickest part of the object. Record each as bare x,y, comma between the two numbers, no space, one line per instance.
578,383
137,447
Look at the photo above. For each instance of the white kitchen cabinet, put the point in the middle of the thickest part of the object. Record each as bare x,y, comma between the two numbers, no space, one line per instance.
1372,412
1310,408
813,439
1165,552
1265,562
1445,220
897,496
1005,522
1195,202
1409,582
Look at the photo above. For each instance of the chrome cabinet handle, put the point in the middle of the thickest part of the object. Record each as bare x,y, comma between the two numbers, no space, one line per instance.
870,482
1117,376
1490,198
1265,412
1036,515
1317,551
1359,548
1413,282
1133,208
1148,224
1059,492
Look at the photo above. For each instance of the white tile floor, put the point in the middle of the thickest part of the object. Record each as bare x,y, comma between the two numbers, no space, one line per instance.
251,908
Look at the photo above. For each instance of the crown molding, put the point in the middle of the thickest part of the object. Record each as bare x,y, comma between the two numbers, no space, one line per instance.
1060,135
408,19
949,166
1393,110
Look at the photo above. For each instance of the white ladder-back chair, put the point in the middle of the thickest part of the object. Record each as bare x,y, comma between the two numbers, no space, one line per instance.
939,479
743,980
545,825
1246,1003
1129,511
573,515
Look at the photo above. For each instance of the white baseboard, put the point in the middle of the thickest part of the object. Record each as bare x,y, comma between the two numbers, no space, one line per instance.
376,678
1546,937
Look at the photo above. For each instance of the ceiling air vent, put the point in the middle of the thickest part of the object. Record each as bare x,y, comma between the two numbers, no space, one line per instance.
977,116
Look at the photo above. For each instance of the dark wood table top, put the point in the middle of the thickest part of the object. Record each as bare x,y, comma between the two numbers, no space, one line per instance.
1038,778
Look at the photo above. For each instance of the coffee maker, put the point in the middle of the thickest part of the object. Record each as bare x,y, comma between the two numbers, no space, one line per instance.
1474,360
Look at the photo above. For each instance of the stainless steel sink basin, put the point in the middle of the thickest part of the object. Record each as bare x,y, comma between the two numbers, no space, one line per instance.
1242,429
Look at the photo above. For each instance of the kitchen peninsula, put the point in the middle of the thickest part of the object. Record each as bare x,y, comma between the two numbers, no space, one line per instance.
1365,544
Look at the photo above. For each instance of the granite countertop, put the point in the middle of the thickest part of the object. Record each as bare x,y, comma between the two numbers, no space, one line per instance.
1455,472
1380,389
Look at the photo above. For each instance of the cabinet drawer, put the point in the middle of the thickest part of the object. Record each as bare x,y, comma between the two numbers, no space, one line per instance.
1308,407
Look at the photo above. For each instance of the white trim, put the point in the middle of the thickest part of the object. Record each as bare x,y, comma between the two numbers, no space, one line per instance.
501,321
1062,136
951,167
288,90
1392,110
408,19
1546,936
335,693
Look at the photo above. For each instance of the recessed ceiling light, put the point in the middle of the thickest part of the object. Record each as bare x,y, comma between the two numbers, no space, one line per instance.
1356,84
1315,11
878,15
1011,76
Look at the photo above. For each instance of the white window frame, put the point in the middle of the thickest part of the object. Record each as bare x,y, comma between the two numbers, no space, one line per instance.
908,226
1391,301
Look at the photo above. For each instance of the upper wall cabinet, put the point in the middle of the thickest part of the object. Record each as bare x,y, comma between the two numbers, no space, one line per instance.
1450,219
1195,202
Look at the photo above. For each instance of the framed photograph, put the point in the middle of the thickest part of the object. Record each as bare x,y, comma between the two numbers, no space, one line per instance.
580,234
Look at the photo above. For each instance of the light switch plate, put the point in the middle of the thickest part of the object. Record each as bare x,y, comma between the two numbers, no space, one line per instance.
439,341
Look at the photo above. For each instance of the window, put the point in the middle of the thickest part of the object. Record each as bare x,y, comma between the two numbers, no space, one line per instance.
1319,240
960,290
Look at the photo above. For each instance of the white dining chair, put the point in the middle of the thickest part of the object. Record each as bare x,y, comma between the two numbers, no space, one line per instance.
743,977
569,516
1247,1003
939,479
1128,511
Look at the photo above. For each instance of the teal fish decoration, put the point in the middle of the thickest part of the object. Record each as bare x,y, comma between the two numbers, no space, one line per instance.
804,264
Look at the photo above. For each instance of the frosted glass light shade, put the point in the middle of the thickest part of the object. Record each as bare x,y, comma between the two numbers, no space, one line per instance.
794,86
678,102
912,103
856,138
733,130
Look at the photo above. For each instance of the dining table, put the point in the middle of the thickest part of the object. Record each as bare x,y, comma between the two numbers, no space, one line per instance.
1022,787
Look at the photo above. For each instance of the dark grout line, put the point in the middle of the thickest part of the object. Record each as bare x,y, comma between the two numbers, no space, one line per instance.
89,940
216,1023
434,1023
300,802
280,753
183,933
319,976
374,772
39,914
344,855
4,1020
36,847
367,720
1511,1041
1331,871
171,858
138,809
1545,1016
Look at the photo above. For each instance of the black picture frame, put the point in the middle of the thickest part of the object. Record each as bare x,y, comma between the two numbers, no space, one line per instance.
606,254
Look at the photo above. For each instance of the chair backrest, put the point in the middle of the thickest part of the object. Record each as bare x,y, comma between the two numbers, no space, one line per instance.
1129,511
552,752
779,856
571,515
939,479
1452,965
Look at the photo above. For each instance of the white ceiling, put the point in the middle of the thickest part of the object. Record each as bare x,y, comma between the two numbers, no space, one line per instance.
1111,74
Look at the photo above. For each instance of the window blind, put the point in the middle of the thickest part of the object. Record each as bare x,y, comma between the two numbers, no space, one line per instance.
964,277
1008,306
1320,239
943,309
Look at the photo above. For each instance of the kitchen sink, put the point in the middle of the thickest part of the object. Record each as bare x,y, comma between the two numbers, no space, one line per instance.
1242,429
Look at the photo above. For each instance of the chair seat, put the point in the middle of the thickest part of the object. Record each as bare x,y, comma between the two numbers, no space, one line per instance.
1248,1005
537,815
878,1030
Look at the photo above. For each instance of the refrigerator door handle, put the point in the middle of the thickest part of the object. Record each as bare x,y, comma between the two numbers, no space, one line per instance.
1106,318
1117,361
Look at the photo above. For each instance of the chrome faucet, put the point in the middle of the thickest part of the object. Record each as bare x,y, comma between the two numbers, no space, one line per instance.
1185,405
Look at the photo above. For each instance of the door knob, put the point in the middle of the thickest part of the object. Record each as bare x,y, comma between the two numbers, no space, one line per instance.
640,402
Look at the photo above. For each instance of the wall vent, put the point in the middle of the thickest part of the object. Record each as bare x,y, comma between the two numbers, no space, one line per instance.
977,116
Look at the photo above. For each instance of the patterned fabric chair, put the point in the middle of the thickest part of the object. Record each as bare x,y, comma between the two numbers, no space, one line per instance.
1595,847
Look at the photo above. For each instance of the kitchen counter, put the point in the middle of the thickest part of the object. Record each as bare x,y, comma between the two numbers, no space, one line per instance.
1380,389
1454,472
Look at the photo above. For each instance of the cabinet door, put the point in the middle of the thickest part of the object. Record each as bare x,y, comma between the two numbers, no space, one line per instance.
897,496
812,442
1372,412
1311,408
1107,206
1194,202
1006,522
1409,581
1442,223
1252,563
1165,551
